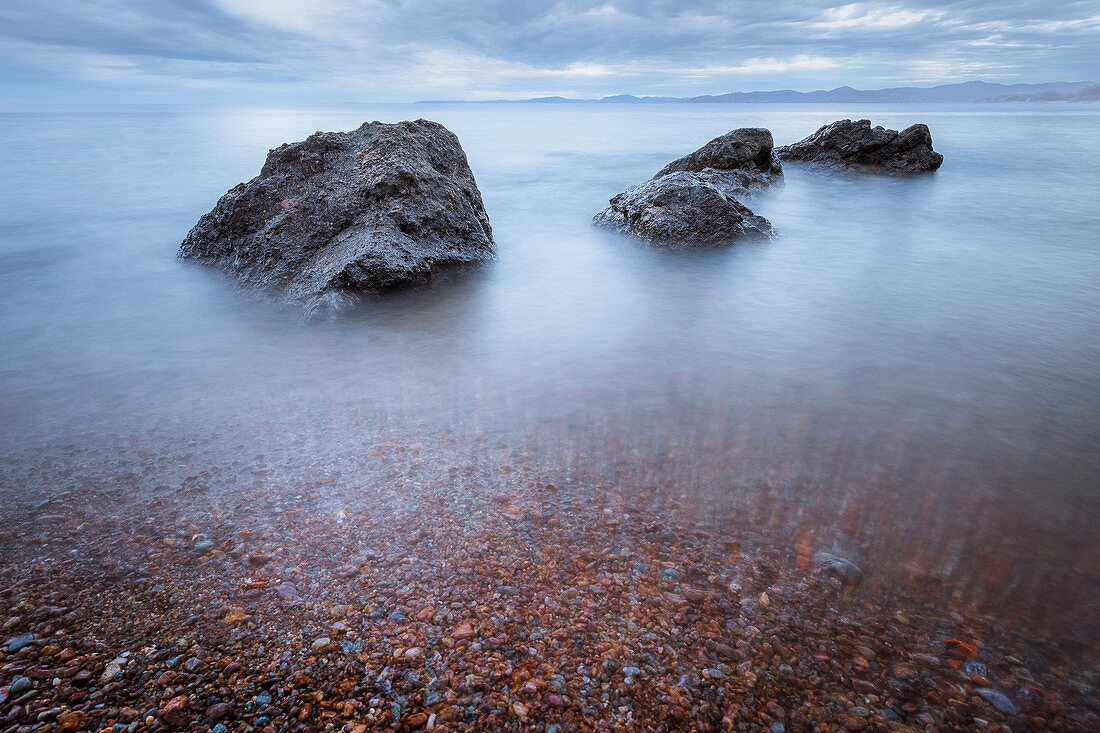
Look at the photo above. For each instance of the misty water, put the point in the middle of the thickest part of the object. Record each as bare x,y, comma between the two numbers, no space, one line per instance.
909,371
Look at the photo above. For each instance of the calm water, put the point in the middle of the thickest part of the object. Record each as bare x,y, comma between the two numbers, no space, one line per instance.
920,357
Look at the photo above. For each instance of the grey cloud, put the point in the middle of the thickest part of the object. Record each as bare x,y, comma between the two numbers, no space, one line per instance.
404,48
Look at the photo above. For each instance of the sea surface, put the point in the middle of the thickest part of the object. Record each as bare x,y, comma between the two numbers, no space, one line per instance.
909,371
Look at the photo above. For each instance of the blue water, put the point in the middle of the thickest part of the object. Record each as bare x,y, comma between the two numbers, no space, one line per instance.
936,339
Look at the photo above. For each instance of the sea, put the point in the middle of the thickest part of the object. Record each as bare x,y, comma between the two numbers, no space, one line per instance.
909,369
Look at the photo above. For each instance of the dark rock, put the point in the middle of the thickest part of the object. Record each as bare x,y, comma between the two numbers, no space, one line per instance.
344,213
682,208
218,710
747,150
287,591
837,567
858,146
693,200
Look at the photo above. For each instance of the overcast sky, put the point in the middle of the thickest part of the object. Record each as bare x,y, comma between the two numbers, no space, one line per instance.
405,50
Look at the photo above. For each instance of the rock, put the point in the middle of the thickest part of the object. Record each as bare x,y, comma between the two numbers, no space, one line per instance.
960,650
74,721
321,644
747,150
204,546
287,591
19,686
345,213
194,665
235,616
997,700
218,710
174,713
682,208
852,721
693,199
843,570
858,146
416,720
19,642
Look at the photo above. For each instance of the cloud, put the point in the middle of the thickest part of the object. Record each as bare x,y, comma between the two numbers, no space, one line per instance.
409,49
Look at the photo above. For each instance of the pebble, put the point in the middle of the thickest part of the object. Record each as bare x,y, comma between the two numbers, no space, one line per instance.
574,614
837,567
20,642
204,546
287,591
997,700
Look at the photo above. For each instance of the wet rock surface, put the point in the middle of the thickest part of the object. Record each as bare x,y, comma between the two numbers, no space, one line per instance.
425,592
694,200
341,214
856,145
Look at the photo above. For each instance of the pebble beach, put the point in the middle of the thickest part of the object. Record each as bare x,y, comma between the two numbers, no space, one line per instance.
481,596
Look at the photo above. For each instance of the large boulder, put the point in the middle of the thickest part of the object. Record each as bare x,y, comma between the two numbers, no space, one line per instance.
858,146
345,213
694,200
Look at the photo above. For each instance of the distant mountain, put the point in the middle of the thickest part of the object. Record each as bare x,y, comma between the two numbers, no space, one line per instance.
970,91
631,99
1090,93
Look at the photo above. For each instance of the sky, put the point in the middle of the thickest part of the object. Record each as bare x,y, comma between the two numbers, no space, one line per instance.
408,50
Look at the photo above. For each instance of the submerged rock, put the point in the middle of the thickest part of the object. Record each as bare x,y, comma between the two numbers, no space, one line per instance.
693,200
843,570
345,213
858,146
997,699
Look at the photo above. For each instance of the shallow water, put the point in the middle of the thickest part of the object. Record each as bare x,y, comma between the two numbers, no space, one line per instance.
910,369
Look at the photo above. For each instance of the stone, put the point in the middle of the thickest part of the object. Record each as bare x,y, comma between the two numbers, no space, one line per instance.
321,644
416,720
682,209
747,150
694,200
71,722
858,146
19,642
997,699
341,214
837,567
218,710
852,721
287,591
204,546
174,713
19,686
